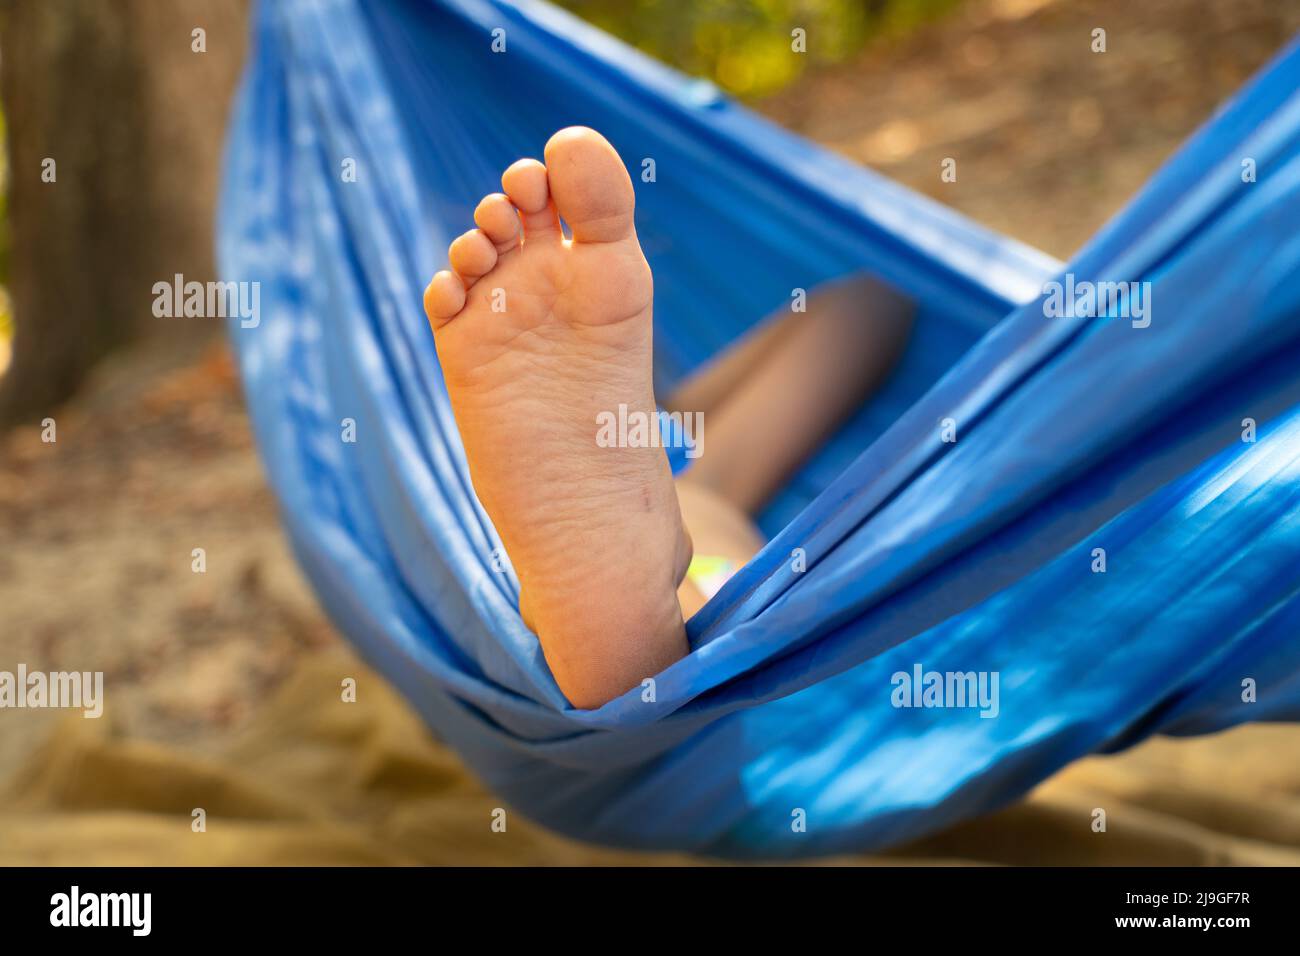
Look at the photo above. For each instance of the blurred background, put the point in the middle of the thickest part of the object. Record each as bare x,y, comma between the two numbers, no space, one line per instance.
153,454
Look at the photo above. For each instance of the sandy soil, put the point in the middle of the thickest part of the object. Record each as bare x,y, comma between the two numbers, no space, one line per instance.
100,528
97,529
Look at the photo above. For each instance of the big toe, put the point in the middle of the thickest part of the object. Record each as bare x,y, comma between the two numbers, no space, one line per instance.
590,185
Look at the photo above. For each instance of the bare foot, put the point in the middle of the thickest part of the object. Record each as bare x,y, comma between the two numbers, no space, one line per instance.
537,336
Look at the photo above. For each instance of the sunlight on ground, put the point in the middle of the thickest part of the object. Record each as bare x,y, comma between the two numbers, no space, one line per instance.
1018,9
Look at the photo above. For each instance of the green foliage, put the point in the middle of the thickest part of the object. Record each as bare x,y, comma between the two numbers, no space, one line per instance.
745,46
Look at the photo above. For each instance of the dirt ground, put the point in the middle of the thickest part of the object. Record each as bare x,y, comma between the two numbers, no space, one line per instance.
1050,139
98,530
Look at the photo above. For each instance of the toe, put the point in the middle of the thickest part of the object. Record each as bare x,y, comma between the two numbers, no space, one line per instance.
497,217
472,255
444,297
525,184
589,185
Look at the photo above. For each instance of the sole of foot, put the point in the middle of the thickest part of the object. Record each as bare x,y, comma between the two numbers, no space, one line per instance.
540,335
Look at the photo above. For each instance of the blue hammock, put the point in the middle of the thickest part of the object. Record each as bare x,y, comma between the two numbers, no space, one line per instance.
1079,439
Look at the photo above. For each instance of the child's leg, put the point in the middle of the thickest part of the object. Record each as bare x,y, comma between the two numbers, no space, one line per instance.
704,390
824,364
723,539
540,339
768,404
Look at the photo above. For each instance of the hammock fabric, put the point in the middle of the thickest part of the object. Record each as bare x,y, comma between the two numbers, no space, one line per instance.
779,735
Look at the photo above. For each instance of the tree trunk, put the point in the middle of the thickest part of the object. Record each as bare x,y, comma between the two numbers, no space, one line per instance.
133,119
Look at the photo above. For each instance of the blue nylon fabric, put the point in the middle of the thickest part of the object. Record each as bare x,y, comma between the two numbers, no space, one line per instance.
974,555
